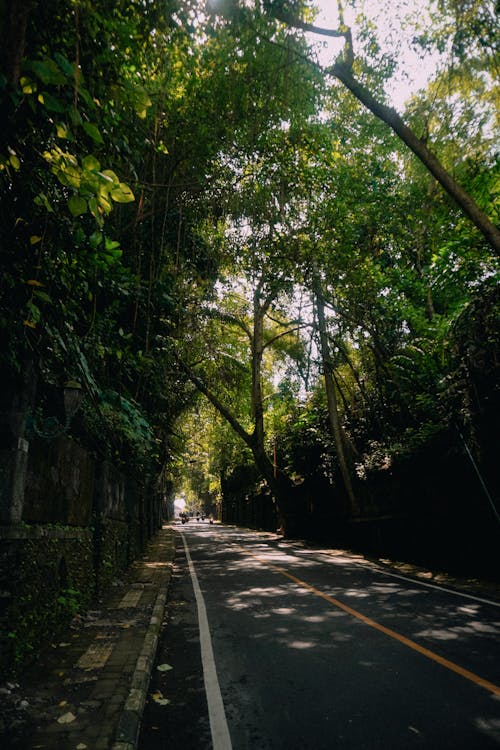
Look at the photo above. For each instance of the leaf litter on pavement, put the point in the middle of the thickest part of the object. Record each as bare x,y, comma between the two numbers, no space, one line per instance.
158,698
164,667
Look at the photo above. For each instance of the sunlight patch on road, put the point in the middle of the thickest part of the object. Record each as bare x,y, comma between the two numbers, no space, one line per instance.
402,639
356,593
449,634
301,645
255,596
490,727
131,598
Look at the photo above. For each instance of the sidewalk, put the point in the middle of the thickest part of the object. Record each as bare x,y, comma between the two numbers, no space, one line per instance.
89,692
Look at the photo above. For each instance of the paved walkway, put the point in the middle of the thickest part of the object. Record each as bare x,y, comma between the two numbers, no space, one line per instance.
89,692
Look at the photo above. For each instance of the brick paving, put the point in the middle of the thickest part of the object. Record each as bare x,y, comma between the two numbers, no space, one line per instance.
88,692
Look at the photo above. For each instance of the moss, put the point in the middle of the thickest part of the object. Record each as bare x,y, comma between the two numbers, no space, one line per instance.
46,578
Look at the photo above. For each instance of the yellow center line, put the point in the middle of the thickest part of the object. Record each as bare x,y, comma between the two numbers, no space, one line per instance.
490,686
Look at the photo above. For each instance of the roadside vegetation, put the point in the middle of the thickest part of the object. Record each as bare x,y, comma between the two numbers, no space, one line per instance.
263,276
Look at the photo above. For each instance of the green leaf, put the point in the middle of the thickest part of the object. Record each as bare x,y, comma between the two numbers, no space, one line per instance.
122,193
140,100
93,132
95,240
111,244
52,103
42,295
14,161
104,203
27,85
109,175
77,205
64,64
62,131
42,200
95,210
34,311
90,163
47,71
75,116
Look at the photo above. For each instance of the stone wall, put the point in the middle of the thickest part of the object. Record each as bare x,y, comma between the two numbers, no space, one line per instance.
60,481
78,524
46,575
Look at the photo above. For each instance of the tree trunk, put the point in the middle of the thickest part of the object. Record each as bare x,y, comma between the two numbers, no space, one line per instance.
257,343
331,396
15,38
281,486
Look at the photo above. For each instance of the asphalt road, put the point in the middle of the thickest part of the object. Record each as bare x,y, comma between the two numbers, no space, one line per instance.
271,644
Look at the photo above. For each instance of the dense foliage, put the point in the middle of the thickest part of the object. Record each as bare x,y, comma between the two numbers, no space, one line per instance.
192,201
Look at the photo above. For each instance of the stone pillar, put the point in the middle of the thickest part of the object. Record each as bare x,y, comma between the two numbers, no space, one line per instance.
16,402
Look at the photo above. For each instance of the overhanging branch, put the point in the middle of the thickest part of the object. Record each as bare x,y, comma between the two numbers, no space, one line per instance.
223,410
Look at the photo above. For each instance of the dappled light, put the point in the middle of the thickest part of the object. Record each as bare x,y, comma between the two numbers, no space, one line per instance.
231,551
355,640
249,315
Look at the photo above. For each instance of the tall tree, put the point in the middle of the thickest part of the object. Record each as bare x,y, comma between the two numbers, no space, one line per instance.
343,70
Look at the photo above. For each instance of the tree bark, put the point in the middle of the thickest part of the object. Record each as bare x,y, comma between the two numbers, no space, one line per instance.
281,486
331,396
257,343
15,38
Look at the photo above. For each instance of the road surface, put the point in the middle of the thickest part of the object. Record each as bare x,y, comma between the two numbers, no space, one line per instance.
277,645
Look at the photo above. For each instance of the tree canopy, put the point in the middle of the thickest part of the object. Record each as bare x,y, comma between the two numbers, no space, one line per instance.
195,204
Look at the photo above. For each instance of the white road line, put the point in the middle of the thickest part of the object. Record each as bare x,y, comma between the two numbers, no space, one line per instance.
374,567
379,569
441,588
221,739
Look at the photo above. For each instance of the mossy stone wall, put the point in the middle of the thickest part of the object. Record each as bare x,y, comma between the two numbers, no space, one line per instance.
46,575
82,524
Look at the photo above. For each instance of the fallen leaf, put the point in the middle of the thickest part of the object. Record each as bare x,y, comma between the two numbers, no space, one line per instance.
62,703
158,698
164,667
81,746
66,718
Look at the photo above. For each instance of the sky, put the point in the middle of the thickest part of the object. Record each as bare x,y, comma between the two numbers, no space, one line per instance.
384,15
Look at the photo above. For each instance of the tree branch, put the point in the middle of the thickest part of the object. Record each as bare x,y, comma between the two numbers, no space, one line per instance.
228,318
223,411
298,23
391,118
284,333
342,70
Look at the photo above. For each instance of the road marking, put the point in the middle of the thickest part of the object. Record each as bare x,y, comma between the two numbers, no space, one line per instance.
221,739
376,567
490,686
439,588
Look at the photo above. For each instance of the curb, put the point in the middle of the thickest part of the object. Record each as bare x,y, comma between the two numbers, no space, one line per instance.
127,733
